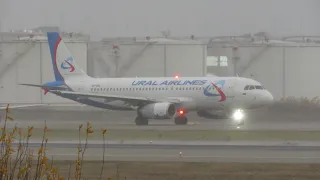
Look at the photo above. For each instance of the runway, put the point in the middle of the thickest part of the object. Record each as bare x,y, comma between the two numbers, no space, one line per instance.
169,125
190,152
115,121
277,117
196,151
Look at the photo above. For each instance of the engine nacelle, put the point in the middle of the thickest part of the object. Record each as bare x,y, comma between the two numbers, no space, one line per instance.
212,115
158,111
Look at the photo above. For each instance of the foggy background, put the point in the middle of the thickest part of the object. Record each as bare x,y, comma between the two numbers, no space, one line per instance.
108,18
276,42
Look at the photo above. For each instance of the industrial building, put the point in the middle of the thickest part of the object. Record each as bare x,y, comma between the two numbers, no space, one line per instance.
287,66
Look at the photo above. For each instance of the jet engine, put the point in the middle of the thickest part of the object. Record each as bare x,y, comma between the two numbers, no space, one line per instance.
157,111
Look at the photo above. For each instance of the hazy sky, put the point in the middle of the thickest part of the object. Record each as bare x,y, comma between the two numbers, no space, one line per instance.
107,18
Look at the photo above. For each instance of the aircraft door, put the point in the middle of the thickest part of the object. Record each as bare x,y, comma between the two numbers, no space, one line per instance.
241,95
230,89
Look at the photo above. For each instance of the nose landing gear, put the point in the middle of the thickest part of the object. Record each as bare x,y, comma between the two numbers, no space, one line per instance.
238,117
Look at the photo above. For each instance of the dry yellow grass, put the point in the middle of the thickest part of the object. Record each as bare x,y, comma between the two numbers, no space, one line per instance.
24,163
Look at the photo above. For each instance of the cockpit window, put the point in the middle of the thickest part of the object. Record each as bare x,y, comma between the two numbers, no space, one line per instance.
251,87
259,87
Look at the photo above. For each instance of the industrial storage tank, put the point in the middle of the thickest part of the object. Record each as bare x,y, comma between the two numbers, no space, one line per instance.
25,58
152,57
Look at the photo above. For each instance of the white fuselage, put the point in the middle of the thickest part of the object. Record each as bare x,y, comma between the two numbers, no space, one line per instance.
192,91
153,98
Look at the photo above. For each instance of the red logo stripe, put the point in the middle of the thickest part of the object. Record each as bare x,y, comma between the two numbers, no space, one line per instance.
223,96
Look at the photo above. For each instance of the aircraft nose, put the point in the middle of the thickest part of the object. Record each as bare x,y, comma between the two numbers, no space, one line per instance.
268,98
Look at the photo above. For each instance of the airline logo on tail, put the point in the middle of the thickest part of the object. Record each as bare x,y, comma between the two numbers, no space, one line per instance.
214,89
67,64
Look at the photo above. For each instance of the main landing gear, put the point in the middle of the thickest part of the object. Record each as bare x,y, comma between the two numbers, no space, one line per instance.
141,120
180,120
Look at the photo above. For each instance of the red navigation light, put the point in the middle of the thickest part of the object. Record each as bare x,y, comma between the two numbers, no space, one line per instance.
181,112
45,91
176,76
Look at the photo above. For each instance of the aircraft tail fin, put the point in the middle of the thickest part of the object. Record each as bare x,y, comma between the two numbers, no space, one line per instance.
63,62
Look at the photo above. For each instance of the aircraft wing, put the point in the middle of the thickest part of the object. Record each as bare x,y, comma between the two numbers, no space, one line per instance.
21,106
129,99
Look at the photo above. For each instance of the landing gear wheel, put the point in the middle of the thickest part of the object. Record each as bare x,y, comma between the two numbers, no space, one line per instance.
181,120
141,121
241,123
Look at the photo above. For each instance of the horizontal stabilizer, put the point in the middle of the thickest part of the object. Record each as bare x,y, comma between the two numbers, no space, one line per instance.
45,86
21,106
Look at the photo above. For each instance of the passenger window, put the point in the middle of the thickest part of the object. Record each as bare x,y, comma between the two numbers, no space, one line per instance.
246,88
251,88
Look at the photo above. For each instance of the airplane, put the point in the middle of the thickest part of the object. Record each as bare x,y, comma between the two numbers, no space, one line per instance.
152,98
